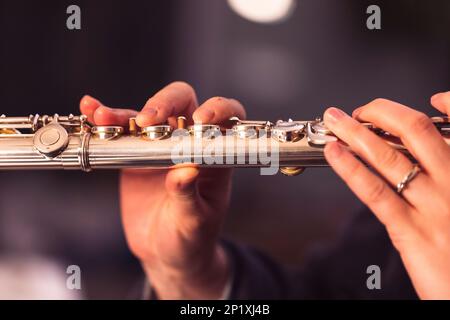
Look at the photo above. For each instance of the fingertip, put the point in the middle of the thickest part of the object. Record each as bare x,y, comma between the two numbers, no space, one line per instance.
356,113
146,117
441,101
326,112
89,102
181,180
218,110
203,115
332,115
88,105
242,114
436,98
104,116
85,99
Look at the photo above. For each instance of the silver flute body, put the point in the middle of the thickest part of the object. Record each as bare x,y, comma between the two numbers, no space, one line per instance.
70,142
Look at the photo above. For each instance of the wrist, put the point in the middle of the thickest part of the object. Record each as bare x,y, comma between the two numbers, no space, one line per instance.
202,280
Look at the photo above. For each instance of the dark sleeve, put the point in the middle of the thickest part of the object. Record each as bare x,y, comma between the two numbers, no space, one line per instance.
337,272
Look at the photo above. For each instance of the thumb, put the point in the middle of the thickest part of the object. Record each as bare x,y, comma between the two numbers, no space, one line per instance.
181,185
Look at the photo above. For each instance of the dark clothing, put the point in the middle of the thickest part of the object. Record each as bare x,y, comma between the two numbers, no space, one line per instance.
336,273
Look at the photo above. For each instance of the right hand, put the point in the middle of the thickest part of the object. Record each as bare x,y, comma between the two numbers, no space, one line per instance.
172,217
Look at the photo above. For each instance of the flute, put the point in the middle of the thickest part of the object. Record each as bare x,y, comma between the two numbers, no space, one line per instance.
71,142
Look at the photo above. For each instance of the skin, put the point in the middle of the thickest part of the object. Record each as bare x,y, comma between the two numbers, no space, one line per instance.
172,218
418,222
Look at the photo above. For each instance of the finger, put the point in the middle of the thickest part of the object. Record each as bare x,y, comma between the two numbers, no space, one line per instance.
389,162
213,181
182,188
105,116
441,101
88,105
101,115
218,110
415,129
178,98
370,189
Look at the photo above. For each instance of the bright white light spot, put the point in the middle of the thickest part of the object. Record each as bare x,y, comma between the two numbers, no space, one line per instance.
263,11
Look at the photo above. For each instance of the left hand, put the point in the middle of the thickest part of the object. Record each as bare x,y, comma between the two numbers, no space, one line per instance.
172,217
418,220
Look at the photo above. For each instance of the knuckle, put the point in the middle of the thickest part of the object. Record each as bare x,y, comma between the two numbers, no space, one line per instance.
159,108
217,100
378,102
397,235
355,168
376,192
420,123
183,84
389,159
184,87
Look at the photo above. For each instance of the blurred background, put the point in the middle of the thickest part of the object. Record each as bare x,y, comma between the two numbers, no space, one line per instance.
284,59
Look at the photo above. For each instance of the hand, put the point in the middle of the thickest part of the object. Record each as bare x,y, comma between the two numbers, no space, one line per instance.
172,218
418,220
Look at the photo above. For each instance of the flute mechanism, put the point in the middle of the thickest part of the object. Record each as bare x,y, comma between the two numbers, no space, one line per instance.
71,142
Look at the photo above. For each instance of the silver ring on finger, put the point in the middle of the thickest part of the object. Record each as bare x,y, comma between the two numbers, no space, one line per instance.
408,178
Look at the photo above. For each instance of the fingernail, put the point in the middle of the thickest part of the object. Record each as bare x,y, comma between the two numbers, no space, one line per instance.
333,149
333,115
204,116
